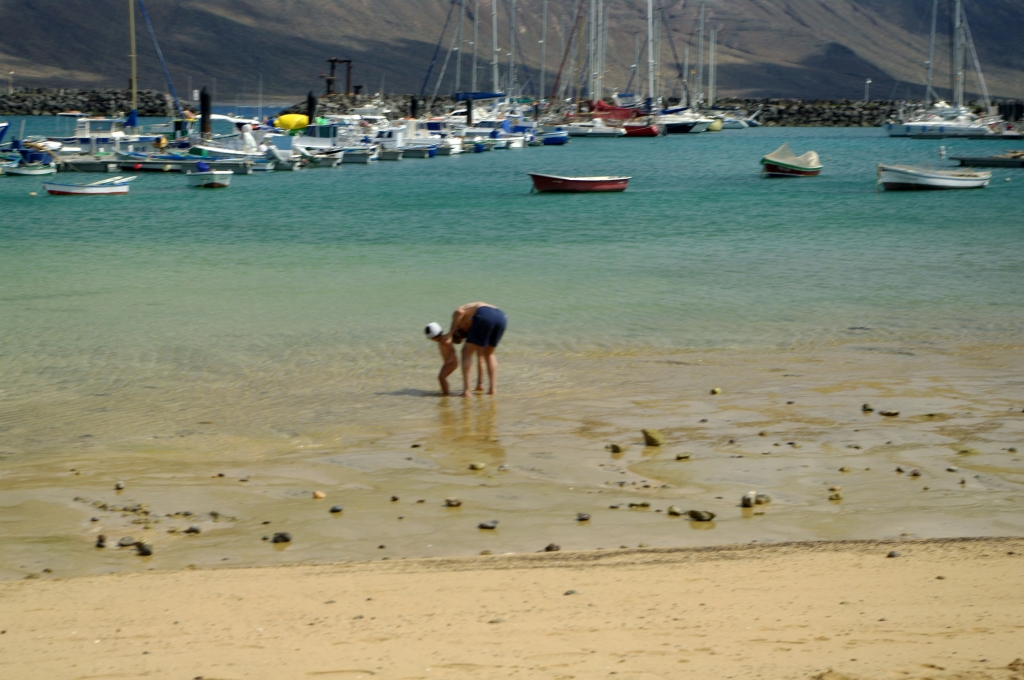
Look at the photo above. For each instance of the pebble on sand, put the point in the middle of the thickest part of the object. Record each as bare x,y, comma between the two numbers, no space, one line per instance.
493,524
716,390
477,466
845,468
582,517
319,494
125,542
194,529
682,456
891,414
762,499
837,496
570,592
552,547
915,473
101,541
452,502
281,537
952,468
653,437
675,511
119,486
616,448
335,509
749,499
867,408
143,549
893,553
701,515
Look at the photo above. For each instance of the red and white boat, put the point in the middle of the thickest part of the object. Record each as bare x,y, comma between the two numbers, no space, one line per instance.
643,129
784,163
555,183
114,185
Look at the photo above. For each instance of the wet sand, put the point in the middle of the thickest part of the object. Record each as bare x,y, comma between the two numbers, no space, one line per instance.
943,610
788,424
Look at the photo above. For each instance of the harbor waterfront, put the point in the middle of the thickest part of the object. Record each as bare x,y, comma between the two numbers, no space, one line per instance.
225,354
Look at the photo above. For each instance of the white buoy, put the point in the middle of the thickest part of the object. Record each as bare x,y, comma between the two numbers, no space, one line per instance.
942,152
31,193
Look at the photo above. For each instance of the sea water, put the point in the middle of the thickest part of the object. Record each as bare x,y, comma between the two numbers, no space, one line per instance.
286,312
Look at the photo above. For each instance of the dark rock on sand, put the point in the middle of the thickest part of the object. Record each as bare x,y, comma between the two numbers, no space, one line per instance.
762,499
749,499
119,486
701,515
335,509
570,592
194,529
493,524
452,502
653,437
891,414
125,542
101,541
281,537
893,553
867,408
582,517
616,448
675,511
682,456
552,547
394,499
143,549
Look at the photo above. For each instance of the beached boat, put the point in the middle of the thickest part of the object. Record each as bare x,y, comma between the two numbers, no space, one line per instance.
114,185
558,184
908,178
784,163
205,178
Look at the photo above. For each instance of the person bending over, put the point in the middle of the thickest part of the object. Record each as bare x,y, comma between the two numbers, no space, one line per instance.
483,325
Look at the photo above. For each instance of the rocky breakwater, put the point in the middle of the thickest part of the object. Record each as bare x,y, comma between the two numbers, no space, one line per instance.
819,113
51,101
399,106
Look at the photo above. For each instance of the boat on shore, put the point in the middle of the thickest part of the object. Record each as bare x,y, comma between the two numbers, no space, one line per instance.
113,185
558,184
784,163
909,178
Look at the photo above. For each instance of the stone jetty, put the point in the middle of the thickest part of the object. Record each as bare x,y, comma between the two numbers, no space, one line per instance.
51,101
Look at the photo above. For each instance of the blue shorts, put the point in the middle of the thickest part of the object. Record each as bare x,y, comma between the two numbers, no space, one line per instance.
488,327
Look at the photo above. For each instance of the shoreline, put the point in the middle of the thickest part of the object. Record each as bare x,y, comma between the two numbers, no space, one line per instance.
941,609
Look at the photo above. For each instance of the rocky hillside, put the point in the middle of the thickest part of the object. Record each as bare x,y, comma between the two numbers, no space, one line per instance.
768,48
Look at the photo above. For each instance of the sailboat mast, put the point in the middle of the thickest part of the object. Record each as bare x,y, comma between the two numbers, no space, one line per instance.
458,47
959,50
604,50
931,55
686,72
712,63
511,44
131,49
650,51
476,39
494,44
543,44
700,57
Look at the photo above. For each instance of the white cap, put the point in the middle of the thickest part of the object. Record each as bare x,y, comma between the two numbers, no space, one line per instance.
433,330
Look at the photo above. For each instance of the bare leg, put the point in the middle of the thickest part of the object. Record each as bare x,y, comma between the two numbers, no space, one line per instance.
492,368
480,370
468,350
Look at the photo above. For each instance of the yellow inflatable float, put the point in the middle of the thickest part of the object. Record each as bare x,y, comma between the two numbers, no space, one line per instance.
292,121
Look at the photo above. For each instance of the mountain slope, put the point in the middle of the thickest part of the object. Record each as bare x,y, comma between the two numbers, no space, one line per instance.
785,48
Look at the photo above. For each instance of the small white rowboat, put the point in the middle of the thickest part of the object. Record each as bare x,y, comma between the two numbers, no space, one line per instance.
114,185
907,178
209,179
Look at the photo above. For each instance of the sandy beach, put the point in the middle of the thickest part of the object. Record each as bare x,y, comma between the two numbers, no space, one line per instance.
942,609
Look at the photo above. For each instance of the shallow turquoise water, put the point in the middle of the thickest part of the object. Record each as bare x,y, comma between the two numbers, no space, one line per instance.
287,276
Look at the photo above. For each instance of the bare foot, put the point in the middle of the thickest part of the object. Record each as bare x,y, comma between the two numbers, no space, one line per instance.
479,388
492,391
